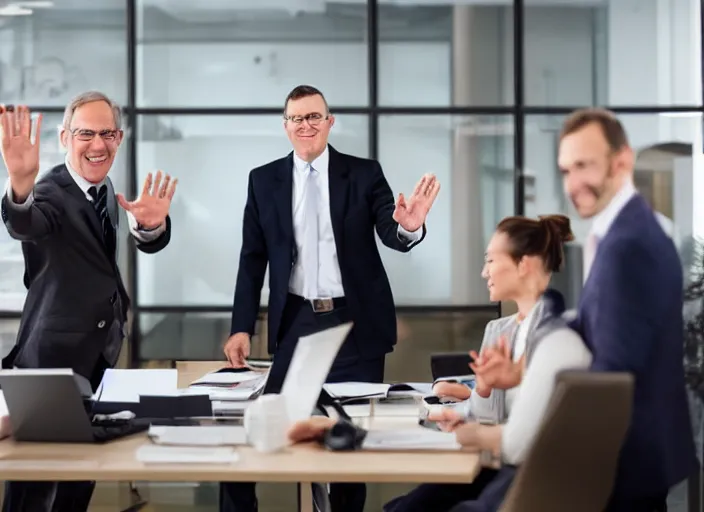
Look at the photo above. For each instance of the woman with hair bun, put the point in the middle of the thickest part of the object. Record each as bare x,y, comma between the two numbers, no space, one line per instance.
520,259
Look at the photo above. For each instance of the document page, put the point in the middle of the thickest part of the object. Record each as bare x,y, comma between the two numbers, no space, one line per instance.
226,379
198,435
125,385
357,390
410,439
155,454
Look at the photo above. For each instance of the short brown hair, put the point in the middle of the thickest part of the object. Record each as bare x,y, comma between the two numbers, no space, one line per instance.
303,91
610,126
543,237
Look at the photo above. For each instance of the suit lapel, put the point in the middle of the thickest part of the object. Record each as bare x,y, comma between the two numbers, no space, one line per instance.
283,196
64,179
113,212
338,173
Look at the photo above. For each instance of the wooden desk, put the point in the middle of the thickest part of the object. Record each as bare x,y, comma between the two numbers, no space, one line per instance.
116,461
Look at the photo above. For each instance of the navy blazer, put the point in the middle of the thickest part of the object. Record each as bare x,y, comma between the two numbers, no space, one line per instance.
360,201
630,316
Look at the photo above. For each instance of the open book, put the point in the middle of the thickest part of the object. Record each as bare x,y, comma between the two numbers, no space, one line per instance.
368,390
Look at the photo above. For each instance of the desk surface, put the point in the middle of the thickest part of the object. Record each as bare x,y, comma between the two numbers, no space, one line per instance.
116,461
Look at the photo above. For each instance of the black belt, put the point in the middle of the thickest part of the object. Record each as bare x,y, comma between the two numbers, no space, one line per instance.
324,305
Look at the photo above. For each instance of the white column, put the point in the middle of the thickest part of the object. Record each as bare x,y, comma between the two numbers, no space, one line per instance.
476,73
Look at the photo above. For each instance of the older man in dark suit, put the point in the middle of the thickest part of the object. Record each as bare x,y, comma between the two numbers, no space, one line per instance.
76,307
311,217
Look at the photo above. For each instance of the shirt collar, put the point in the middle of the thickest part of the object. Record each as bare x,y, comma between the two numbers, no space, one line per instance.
320,164
603,220
83,183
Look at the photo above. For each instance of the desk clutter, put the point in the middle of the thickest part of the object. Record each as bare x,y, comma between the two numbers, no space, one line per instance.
207,421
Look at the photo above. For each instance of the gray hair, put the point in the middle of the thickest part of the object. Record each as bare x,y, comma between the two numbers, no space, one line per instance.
90,97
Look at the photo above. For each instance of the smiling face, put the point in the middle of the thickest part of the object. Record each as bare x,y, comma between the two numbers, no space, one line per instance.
503,275
92,140
308,125
592,171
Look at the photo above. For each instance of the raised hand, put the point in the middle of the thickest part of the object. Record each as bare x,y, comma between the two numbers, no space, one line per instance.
20,155
152,206
411,213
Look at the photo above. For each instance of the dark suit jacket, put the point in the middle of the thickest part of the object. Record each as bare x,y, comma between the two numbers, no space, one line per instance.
71,280
360,200
630,315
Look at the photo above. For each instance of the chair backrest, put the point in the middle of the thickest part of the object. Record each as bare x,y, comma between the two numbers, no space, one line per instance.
572,463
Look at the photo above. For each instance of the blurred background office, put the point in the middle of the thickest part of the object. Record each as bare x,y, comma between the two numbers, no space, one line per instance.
471,90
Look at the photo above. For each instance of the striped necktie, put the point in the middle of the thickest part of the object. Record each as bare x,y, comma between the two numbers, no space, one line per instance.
100,204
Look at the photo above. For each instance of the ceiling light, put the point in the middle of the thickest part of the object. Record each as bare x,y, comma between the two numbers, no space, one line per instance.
14,10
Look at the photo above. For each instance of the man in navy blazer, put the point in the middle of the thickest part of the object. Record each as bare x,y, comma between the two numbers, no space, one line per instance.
311,218
630,310
629,314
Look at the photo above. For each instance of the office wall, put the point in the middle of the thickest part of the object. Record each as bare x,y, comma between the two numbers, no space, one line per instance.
622,53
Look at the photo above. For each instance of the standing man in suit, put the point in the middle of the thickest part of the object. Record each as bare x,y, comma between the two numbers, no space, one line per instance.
311,217
630,310
76,307
629,314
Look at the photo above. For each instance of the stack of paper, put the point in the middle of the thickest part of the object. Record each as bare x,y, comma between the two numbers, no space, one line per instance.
226,379
355,390
240,391
199,435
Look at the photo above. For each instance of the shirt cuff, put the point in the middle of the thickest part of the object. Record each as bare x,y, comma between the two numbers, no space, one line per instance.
18,206
143,235
410,237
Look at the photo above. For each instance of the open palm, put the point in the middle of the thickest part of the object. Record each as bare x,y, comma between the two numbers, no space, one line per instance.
411,213
152,206
20,154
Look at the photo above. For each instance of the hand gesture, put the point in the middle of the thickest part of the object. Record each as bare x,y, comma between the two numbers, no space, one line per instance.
20,155
496,368
477,437
152,206
411,213
447,418
452,389
237,349
311,429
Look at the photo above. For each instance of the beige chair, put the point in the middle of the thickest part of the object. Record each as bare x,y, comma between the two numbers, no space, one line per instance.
572,463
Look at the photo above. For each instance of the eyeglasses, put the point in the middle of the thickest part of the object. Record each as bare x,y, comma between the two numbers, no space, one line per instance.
313,119
88,135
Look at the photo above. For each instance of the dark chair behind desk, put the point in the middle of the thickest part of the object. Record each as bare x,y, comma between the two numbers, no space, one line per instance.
572,463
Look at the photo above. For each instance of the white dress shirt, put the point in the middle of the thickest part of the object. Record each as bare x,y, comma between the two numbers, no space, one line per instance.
519,348
560,350
329,276
84,185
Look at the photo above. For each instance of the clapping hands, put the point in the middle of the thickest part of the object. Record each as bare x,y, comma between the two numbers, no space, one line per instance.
495,368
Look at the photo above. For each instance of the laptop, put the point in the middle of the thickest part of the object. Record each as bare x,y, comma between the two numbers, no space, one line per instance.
308,370
54,406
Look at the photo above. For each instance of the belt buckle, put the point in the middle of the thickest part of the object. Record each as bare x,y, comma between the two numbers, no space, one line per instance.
322,305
